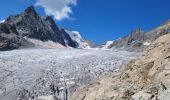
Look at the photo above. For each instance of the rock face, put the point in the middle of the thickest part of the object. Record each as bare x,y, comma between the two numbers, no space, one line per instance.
15,31
10,38
68,40
138,40
145,78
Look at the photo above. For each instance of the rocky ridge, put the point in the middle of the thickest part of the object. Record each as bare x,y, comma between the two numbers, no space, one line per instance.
138,40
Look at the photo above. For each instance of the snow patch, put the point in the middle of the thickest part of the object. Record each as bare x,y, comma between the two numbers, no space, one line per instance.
50,97
109,42
146,43
2,21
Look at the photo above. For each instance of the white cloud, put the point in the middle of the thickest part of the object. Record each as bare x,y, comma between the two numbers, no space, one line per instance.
60,9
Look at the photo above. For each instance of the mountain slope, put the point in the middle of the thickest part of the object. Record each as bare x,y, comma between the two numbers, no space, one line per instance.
29,25
145,78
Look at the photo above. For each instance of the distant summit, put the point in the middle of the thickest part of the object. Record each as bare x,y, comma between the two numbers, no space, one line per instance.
137,40
75,36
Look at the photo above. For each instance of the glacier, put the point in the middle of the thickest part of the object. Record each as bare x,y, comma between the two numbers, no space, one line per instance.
33,71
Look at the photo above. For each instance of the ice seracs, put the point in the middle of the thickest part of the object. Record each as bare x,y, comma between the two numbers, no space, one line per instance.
37,69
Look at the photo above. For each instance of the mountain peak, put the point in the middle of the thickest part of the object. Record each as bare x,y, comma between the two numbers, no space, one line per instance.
137,30
30,25
30,9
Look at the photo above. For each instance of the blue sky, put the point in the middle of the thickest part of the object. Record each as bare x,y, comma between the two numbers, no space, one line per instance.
96,20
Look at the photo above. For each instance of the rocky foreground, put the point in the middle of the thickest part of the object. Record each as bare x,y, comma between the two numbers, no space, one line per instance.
145,78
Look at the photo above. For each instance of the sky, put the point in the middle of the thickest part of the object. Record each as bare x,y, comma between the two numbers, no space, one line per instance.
97,20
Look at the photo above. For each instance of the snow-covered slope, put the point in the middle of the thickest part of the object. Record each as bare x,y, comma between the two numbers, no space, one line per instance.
107,45
75,36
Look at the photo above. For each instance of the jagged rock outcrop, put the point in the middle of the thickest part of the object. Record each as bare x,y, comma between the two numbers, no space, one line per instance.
144,78
138,40
30,25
